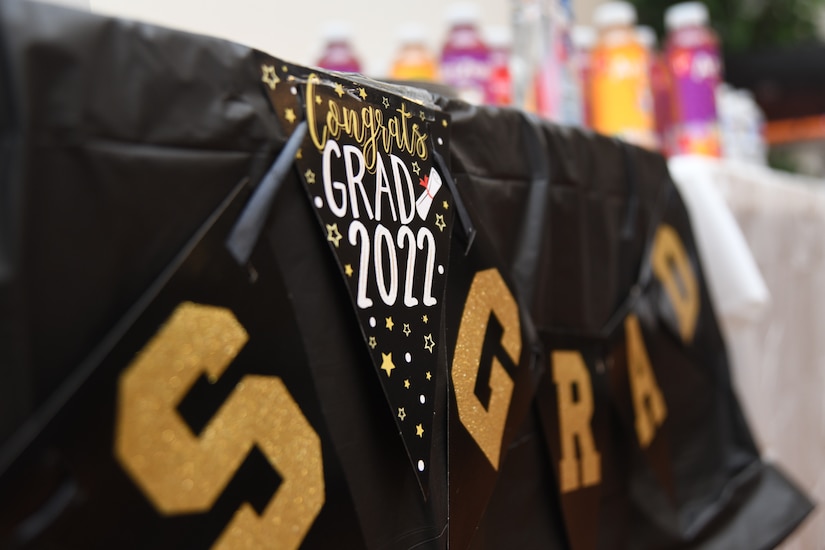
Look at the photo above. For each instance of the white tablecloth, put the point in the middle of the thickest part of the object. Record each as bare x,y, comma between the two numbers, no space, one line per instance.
772,310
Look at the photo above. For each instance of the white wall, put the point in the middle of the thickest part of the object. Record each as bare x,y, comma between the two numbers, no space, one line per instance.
290,30
76,4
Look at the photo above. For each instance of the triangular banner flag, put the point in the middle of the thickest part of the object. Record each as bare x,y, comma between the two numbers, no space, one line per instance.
367,165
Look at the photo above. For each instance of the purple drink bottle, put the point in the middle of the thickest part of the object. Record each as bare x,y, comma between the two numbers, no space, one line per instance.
338,54
465,58
695,69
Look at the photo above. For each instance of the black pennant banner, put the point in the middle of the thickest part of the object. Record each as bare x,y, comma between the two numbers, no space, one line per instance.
368,167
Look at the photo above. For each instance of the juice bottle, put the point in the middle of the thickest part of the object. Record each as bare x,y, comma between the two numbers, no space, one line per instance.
695,68
414,61
338,54
465,58
620,85
584,40
660,88
499,90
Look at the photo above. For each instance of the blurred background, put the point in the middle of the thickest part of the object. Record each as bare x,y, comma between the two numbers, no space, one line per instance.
732,91
771,49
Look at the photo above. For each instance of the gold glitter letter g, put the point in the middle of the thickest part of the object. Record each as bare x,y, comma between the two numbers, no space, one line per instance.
488,295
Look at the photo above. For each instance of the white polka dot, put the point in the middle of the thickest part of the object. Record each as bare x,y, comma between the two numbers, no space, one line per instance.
372,322
422,398
420,465
441,270
319,202
440,141
408,357
294,90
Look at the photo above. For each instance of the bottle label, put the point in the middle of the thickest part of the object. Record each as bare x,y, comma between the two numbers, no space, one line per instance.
696,73
468,73
622,103
698,138
422,70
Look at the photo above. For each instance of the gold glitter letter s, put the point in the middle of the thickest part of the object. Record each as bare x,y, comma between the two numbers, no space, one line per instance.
181,473
488,295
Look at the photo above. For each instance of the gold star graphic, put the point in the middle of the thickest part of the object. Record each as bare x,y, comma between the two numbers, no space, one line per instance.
386,103
333,235
419,430
429,376
416,168
425,319
363,93
402,414
348,270
407,329
386,363
389,323
446,205
284,68
299,154
372,343
444,122
439,222
429,343
339,89
318,99
407,383
269,77
421,115
310,177
289,114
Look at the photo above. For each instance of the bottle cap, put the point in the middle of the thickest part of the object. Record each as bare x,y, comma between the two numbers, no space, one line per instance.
336,31
686,14
584,37
412,33
462,13
646,36
614,14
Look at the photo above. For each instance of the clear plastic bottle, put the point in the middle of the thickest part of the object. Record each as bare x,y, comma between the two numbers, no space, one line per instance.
584,40
465,58
695,68
570,94
660,88
338,54
741,125
620,86
500,88
530,63
414,61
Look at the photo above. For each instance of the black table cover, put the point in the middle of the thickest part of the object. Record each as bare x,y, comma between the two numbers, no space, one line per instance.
162,390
